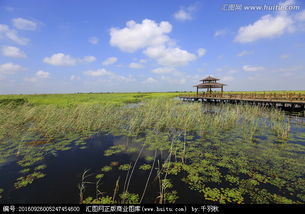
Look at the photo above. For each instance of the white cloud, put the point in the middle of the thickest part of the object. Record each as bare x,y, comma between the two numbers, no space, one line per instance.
123,78
10,68
300,16
153,38
88,59
266,27
110,61
73,77
135,65
271,26
93,40
185,13
12,51
11,34
284,56
250,68
60,59
244,53
201,52
232,71
182,15
163,70
42,74
39,75
136,36
108,75
170,56
98,72
24,24
290,69
30,79
149,80
227,78
9,9
174,81
220,33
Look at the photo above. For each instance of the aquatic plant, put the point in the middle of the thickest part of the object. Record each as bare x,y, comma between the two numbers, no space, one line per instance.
99,176
129,198
24,181
145,167
100,200
106,168
82,185
124,167
247,152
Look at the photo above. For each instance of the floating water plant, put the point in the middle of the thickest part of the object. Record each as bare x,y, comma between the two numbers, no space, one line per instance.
40,167
124,167
145,167
129,198
24,181
99,176
106,168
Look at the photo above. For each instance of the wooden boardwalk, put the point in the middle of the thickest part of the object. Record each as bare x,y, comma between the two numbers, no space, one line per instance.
287,101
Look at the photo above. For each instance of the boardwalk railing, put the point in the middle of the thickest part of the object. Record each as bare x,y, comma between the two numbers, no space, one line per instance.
289,96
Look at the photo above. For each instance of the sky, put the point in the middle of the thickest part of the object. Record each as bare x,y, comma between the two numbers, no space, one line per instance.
70,46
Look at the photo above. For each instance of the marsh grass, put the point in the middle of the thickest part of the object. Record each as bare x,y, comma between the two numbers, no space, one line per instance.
83,184
83,98
224,148
46,123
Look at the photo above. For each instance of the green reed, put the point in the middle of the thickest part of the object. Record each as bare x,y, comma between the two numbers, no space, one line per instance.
227,138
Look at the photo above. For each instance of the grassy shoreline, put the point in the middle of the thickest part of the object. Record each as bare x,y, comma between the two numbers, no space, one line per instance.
104,98
88,98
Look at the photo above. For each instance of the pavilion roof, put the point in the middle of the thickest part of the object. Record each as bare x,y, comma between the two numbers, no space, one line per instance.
210,78
210,85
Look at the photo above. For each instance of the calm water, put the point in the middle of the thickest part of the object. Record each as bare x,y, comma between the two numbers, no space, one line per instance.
64,171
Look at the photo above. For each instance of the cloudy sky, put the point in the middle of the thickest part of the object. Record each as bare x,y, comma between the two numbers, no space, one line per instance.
67,46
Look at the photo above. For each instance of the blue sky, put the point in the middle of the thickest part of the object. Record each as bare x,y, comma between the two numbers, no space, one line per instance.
67,46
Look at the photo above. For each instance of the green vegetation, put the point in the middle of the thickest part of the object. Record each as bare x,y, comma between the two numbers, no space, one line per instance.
106,168
235,154
124,167
82,98
24,181
145,167
99,176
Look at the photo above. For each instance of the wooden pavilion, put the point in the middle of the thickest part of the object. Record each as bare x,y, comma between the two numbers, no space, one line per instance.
209,83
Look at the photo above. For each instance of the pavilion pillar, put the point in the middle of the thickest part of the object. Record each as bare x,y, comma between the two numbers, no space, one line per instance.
197,90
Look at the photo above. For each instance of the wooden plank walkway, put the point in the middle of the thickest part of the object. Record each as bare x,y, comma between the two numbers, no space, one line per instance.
288,101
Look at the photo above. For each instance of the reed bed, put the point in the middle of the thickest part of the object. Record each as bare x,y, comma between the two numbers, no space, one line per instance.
158,115
194,140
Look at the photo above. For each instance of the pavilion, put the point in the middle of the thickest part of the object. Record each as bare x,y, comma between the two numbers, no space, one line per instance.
209,83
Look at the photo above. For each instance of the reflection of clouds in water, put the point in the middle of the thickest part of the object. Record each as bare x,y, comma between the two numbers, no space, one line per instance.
123,140
8,161
100,141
